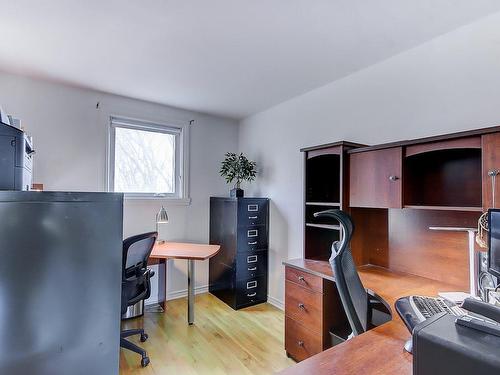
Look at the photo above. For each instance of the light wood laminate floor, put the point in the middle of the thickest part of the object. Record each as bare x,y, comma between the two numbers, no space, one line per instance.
222,341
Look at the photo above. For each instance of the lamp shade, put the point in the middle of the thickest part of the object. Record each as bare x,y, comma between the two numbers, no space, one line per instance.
162,216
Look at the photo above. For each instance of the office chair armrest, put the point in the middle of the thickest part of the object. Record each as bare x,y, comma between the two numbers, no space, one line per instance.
379,310
145,279
376,301
151,272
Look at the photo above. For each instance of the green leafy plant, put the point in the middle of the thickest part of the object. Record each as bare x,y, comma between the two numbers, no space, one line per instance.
237,167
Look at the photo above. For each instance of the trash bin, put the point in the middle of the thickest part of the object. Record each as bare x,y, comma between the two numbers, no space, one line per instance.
134,311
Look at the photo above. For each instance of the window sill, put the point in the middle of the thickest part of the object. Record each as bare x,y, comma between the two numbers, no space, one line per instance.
167,200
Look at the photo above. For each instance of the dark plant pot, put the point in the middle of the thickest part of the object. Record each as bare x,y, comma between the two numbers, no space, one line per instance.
237,193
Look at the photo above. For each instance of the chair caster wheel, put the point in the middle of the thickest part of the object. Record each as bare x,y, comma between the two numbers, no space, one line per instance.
144,361
144,337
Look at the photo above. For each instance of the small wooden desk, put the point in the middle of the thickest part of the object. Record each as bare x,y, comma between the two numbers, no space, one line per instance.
179,250
380,350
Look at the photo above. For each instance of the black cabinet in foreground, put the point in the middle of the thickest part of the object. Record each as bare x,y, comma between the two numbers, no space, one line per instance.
60,282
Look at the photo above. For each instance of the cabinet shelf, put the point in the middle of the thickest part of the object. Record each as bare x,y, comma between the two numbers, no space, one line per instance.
324,226
445,208
332,204
444,178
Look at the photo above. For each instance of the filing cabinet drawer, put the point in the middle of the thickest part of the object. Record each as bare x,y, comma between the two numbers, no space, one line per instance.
304,306
304,279
251,290
250,265
300,342
252,212
252,238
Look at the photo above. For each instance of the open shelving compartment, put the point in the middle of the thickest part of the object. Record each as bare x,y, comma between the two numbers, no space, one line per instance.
324,179
323,191
443,179
323,187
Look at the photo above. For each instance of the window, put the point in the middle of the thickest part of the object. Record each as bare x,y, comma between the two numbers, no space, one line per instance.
147,160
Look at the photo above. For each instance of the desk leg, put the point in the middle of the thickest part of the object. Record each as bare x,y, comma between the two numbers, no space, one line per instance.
162,285
190,291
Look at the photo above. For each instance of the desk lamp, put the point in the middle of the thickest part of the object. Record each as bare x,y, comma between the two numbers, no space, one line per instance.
472,255
161,218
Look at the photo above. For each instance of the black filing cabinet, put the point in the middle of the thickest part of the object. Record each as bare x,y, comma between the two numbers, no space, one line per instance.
238,273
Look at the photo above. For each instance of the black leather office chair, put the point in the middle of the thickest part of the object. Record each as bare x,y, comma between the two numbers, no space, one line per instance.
364,309
136,285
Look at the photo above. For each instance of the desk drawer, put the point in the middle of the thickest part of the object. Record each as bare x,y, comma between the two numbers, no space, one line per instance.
304,279
301,342
304,306
250,265
252,238
252,212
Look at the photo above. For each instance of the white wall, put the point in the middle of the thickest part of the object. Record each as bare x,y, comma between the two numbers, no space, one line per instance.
70,137
449,84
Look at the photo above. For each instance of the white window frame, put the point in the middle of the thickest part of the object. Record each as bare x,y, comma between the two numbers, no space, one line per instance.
181,194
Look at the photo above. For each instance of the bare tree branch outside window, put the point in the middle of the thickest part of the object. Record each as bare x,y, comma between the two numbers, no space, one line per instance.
144,161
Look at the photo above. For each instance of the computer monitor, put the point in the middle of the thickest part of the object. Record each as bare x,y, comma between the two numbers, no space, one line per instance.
494,242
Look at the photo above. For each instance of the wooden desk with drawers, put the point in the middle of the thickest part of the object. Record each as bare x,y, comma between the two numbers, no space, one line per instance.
378,351
394,192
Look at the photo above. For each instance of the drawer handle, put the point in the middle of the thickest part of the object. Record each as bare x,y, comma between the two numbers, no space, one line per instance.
252,233
253,217
301,306
253,207
252,295
300,343
301,278
252,259
252,284
253,243
393,178
253,269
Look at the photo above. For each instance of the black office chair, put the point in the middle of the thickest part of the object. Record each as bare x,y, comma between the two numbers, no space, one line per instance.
136,284
364,308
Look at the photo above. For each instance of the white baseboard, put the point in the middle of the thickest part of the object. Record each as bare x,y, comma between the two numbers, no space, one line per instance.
178,294
276,302
183,292
204,289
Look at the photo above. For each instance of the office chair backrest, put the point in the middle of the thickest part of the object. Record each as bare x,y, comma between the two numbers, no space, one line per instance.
136,285
351,290
136,251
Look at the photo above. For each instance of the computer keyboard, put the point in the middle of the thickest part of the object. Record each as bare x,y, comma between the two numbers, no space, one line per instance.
426,307
416,309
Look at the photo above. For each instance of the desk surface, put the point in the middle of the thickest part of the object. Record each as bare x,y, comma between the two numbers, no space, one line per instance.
380,350
181,250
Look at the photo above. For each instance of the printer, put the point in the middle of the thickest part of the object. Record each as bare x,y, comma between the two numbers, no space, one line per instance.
16,158
469,345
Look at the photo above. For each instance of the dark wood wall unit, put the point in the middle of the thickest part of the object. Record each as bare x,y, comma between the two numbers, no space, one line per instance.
491,161
375,178
394,193
443,178
438,255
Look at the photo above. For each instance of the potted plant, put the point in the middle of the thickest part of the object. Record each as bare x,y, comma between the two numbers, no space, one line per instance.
237,168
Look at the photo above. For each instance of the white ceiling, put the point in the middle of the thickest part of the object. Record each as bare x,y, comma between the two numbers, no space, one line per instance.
226,57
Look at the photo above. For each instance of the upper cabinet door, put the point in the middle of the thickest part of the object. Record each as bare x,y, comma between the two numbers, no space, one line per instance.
491,167
375,178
